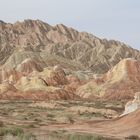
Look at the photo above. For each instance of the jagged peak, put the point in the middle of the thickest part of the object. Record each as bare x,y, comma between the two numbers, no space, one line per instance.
60,25
64,29
35,35
37,21
33,23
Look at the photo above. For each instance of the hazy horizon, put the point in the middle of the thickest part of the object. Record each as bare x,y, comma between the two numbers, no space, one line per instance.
111,19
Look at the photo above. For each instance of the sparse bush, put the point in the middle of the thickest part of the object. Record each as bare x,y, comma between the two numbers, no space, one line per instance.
64,135
1,124
25,118
79,112
15,134
28,137
31,126
37,120
133,137
51,115
70,119
84,137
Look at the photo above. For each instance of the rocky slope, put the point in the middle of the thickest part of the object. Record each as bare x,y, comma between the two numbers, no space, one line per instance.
119,83
31,80
33,84
59,44
57,62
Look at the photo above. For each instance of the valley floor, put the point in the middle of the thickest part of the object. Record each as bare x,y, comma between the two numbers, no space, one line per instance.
66,120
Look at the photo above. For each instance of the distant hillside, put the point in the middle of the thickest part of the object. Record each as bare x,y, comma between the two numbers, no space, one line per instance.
59,45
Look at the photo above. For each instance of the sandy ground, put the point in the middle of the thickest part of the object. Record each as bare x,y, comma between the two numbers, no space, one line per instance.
118,128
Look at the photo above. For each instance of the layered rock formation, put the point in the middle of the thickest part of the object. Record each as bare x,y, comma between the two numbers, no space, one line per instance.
59,45
30,51
29,65
121,82
50,83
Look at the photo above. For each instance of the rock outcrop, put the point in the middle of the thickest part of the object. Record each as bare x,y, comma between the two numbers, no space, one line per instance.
36,57
36,83
119,83
29,65
59,45
10,75
132,106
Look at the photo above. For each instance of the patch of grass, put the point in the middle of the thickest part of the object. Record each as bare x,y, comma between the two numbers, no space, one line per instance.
28,137
12,131
64,135
84,137
15,133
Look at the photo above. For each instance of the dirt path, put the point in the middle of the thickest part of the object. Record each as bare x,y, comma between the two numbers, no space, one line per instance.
118,128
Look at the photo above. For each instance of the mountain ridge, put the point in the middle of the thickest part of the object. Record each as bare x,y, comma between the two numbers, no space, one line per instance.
86,50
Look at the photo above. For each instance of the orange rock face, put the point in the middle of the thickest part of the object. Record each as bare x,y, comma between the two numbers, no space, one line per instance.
30,51
32,82
119,83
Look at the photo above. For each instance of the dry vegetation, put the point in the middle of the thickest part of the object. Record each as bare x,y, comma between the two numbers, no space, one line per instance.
25,119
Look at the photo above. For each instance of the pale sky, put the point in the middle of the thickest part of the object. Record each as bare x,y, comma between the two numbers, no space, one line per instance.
111,19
